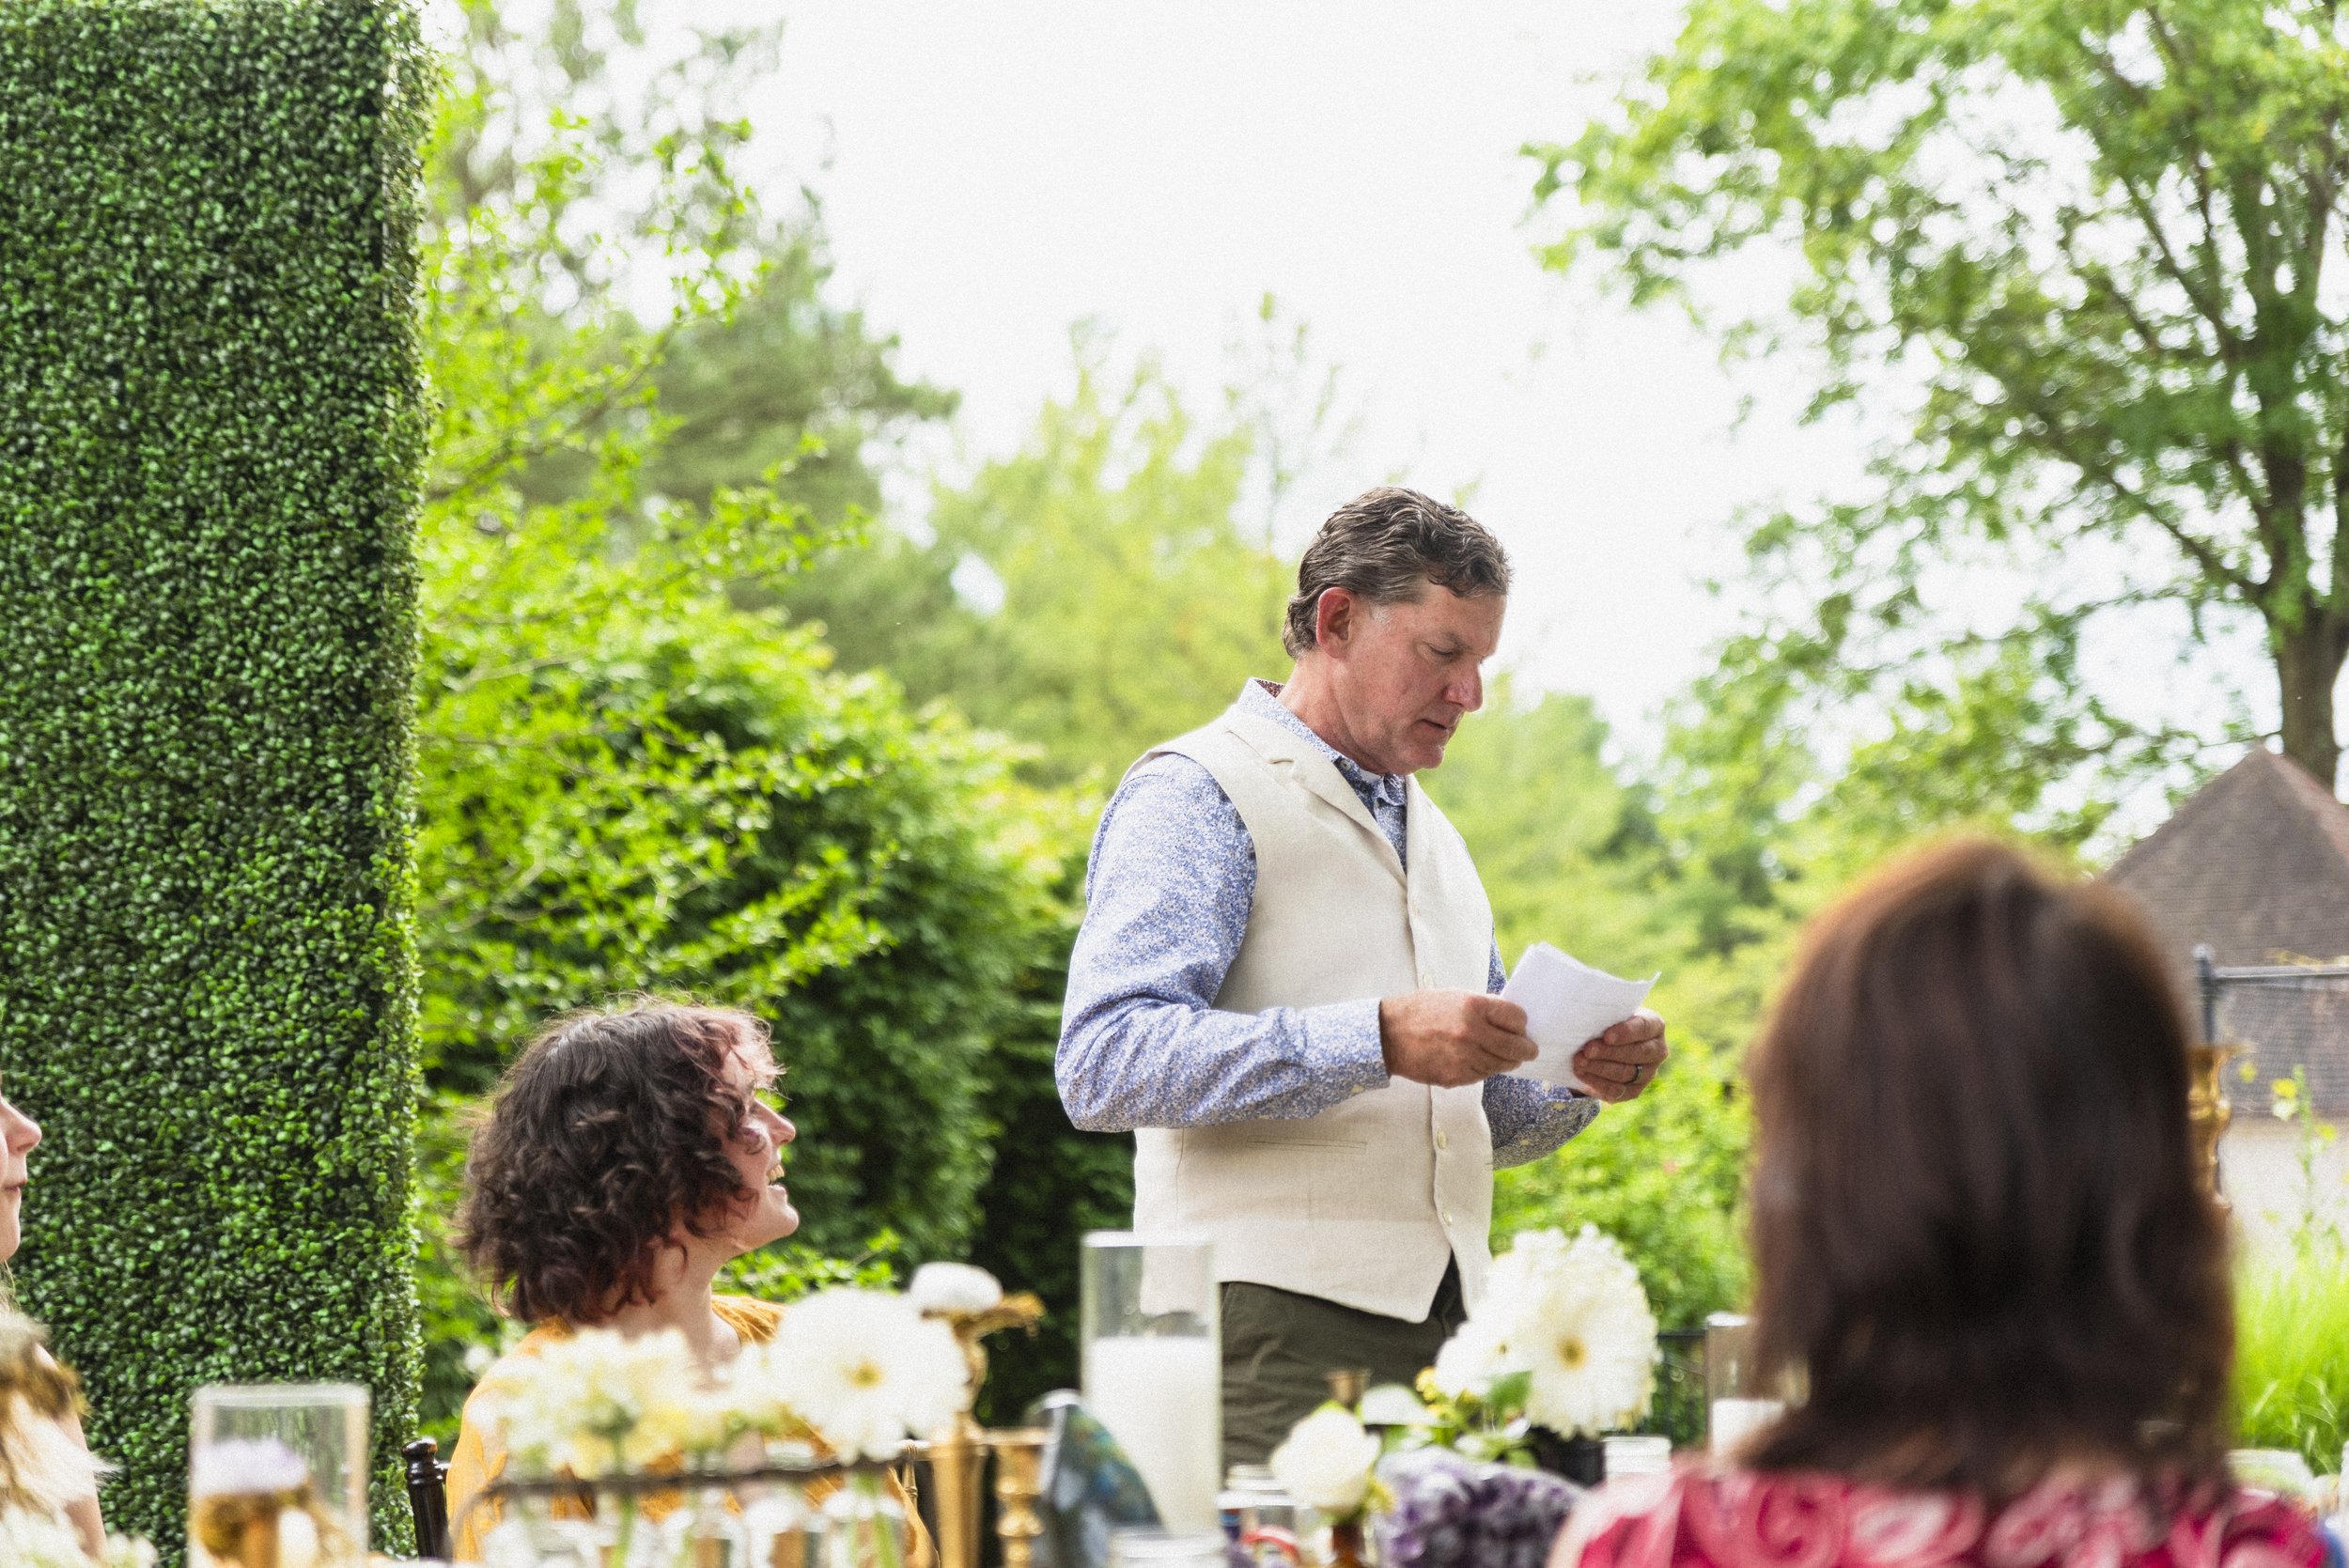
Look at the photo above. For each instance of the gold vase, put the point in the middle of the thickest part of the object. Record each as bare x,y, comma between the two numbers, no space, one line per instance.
2208,1110
957,1455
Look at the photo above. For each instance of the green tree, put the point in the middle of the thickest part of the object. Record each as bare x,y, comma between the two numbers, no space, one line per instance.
1567,851
1120,601
2091,241
1571,854
632,776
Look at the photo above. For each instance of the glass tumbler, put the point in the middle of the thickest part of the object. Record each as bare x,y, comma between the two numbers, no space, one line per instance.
1162,1548
1152,1369
277,1474
1734,1401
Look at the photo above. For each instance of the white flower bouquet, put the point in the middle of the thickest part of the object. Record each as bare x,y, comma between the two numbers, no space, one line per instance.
859,1372
30,1539
1563,1338
1326,1462
864,1369
600,1404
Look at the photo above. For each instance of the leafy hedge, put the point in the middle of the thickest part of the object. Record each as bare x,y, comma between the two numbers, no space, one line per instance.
210,430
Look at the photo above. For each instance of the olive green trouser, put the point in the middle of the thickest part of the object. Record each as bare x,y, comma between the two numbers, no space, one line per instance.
1279,1348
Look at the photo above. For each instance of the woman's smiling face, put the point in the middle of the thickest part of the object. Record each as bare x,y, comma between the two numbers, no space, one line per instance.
755,1148
19,1133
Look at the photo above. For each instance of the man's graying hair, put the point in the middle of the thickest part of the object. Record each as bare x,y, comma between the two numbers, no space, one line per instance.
1386,546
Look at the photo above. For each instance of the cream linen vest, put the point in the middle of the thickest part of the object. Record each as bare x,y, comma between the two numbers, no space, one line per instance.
1366,1203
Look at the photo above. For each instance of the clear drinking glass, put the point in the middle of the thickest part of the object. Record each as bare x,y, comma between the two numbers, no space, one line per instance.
1168,1548
2283,1471
277,1471
1734,1401
1152,1368
1638,1454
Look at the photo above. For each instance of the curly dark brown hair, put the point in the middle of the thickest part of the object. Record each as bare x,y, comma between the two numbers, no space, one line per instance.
605,1138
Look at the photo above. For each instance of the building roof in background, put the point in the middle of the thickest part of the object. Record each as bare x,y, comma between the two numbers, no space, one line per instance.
2257,866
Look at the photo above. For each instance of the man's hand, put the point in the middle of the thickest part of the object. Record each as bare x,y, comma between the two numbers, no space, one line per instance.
1622,1062
1450,1038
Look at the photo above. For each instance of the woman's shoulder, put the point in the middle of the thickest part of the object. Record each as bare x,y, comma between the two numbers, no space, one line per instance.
1703,1516
497,1379
47,1458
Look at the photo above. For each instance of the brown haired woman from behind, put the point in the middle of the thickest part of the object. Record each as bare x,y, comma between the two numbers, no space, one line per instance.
627,1158
1979,1240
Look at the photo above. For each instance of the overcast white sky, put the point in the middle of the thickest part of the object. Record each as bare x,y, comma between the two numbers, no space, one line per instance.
992,173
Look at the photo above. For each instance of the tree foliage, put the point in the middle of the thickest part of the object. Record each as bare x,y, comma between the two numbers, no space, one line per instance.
1092,594
633,776
2090,244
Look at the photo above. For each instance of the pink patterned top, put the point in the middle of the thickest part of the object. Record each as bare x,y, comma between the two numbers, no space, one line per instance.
1701,1516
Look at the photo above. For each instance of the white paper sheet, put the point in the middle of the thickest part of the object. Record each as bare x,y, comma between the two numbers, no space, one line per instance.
1568,1003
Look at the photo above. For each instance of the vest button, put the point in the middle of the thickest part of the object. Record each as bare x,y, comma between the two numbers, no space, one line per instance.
1441,1141
1447,1216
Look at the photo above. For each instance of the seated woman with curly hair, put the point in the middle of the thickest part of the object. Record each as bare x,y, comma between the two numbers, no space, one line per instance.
1980,1241
626,1159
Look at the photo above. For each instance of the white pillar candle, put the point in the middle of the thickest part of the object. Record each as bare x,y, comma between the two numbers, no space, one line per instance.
1732,1419
1159,1397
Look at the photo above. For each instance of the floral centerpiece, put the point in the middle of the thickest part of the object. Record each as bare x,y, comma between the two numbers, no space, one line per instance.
254,1504
1561,1349
852,1374
1563,1341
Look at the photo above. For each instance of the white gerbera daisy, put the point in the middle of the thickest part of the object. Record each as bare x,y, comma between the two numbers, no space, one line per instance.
1472,1358
1572,1317
1589,1339
866,1370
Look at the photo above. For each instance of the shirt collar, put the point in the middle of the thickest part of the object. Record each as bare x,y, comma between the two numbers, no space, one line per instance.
1261,698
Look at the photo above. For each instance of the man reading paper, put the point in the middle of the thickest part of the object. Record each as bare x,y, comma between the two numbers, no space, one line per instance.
1283,983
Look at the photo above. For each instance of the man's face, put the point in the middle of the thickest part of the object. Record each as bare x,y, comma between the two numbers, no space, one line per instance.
1404,673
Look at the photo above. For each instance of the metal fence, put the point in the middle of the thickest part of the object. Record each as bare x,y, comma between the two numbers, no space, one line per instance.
2290,1016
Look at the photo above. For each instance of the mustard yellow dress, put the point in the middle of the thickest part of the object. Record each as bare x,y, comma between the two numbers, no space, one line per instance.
478,1459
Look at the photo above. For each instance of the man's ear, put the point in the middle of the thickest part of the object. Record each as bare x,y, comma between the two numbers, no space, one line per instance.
1334,614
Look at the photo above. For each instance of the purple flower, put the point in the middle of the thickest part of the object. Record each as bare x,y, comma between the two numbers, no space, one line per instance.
1453,1512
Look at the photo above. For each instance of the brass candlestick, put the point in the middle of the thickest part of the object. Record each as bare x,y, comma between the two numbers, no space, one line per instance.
2209,1109
958,1454
1018,1482
1347,1385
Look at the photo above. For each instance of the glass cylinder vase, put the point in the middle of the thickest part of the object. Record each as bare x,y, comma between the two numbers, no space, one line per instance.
863,1525
277,1474
1152,1365
1737,1405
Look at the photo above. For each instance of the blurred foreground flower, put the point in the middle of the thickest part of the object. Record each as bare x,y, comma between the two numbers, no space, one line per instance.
1450,1512
1325,1462
1564,1335
601,1404
940,1288
866,1370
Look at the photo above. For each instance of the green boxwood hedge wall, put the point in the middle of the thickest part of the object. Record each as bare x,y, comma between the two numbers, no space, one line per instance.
210,421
